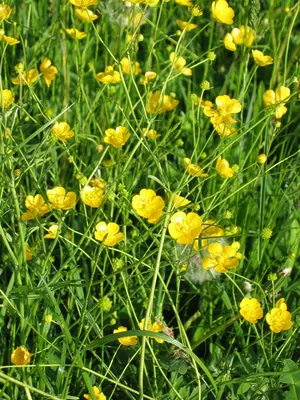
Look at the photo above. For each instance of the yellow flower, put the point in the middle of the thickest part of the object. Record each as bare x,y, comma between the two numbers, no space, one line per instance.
223,169
279,319
108,234
150,134
62,131
149,75
49,72
187,26
229,43
179,201
76,34
260,59
128,68
262,158
222,258
241,35
159,104
6,98
280,95
8,39
52,232
28,253
84,3
185,228
85,15
222,12
20,356
193,169
36,207
148,205
134,1
251,310
211,229
195,10
26,77
92,196
117,137
151,3
184,2
225,130
99,395
128,340
225,108
108,76
156,327
179,63
5,11
60,199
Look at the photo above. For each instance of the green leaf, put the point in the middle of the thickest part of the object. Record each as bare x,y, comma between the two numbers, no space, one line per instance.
293,375
243,388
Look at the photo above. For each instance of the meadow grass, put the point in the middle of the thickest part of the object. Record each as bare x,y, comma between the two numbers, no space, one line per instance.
64,291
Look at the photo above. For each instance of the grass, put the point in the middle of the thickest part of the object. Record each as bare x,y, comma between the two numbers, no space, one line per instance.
63,302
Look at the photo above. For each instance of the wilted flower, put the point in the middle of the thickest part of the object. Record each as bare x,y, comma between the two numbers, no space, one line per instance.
6,98
158,103
222,12
52,232
109,234
178,63
7,39
280,95
5,11
193,169
223,168
148,205
36,207
243,35
195,10
187,26
222,258
116,137
76,34
92,196
85,15
150,134
130,67
98,395
108,76
156,327
20,356
279,319
185,228
60,199
84,3
49,71
26,77
251,310
260,59
62,131
128,340
224,110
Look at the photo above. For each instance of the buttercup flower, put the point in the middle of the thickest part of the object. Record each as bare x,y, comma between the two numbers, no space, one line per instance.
149,76
222,12
185,228
108,76
151,3
151,134
193,169
262,158
108,234
251,310
156,327
222,258
229,43
260,59
195,10
187,26
5,11
148,205
84,3
279,319
28,253
280,95
243,35
134,1
158,104
223,169
85,15
52,232
20,356
6,98
211,229
36,207
60,199
116,137
49,71
179,201
62,131
179,63
128,340
128,68
224,110
26,77
99,395
225,130
8,39
76,34
184,2
92,196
